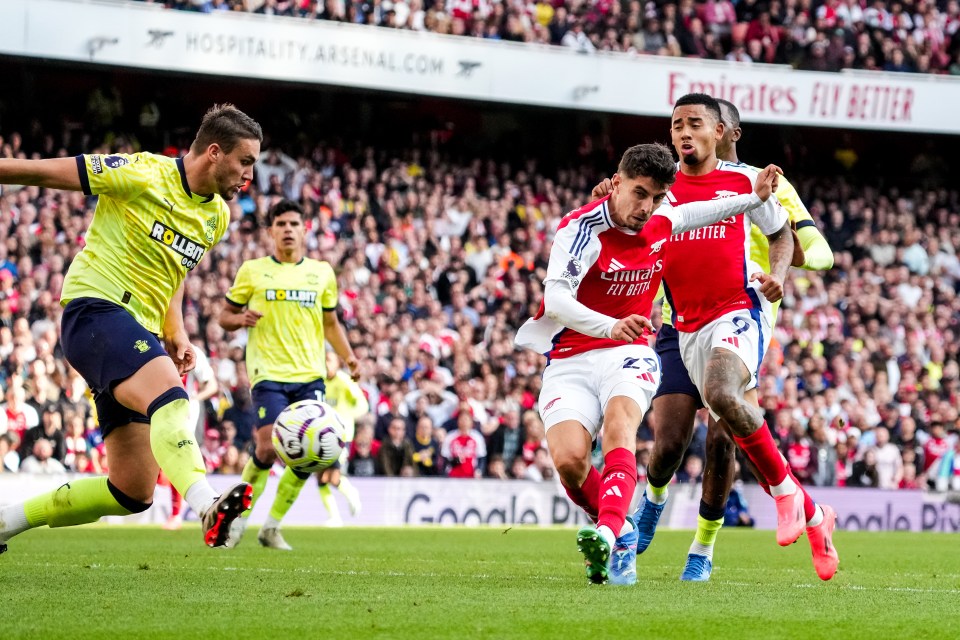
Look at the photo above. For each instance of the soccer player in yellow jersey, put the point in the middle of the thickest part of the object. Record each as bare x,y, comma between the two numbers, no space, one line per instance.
678,400
155,219
288,304
345,395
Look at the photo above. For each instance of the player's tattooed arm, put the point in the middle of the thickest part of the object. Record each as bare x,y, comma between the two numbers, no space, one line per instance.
781,254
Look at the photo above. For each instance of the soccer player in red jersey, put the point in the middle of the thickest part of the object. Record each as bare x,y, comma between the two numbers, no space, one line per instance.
605,267
721,304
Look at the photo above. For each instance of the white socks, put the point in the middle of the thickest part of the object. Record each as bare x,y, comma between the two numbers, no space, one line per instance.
785,488
701,549
200,496
607,534
817,518
13,521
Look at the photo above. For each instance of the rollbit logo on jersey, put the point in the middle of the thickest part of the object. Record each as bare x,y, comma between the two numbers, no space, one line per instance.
191,250
305,297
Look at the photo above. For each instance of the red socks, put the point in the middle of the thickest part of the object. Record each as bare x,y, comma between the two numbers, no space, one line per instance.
762,450
760,447
175,501
587,497
617,487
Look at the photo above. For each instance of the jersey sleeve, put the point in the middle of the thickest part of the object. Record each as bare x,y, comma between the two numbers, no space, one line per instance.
239,294
769,217
575,249
694,215
790,201
330,296
120,176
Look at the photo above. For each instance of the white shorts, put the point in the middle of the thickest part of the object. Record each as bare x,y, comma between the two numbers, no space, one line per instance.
746,333
579,387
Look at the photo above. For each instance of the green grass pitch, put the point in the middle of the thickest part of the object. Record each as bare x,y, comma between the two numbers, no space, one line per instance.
120,582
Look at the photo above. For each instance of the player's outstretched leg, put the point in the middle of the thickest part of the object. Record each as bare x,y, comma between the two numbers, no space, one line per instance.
76,502
820,535
291,482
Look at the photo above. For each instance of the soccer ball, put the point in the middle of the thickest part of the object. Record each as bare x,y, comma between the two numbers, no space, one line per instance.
308,436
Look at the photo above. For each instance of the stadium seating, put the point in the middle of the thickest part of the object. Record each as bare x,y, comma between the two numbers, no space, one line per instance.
440,262
839,34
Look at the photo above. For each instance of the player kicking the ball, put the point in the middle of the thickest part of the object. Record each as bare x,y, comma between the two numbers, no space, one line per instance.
678,399
288,304
154,221
604,271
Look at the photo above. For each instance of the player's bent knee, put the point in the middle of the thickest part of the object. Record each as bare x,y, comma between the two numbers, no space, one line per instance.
265,455
572,465
170,395
722,401
259,462
134,501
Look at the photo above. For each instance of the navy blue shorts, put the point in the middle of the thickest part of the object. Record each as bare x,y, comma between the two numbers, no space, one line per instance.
106,345
674,377
270,398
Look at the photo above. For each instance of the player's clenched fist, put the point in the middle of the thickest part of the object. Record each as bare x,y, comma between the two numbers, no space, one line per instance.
250,318
767,181
630,328
770,286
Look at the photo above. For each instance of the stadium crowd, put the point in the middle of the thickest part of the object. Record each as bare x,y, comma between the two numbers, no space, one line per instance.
439,263
918,36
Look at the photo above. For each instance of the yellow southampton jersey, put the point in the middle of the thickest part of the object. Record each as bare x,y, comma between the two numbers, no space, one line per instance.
759,245
346,397
148,230
287,345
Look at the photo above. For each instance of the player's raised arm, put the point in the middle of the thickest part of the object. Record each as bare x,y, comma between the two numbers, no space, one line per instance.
694,215
53,173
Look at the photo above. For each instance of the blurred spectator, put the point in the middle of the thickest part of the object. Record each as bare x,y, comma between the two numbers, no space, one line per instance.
948,474
41,461
464,449
889,460
363,461
11,458
692,470
396,451
864,472
496,468
426,449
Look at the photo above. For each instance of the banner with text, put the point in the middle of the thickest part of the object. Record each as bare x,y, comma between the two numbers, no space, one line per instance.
426,501
289,49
